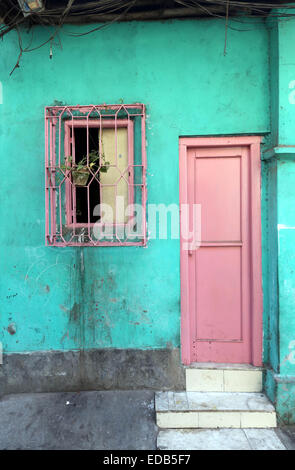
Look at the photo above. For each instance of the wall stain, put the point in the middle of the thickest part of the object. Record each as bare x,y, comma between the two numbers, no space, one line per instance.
11,328
11,296
75,313
66,335
63,308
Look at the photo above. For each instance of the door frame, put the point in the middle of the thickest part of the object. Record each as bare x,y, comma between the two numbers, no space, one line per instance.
253,144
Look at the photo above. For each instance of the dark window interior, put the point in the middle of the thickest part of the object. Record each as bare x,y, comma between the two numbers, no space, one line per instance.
94,188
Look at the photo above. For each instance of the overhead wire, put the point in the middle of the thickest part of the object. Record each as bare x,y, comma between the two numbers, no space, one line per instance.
56,17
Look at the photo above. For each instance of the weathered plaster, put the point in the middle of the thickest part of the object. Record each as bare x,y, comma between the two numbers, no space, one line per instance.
92,369
114,297
280,164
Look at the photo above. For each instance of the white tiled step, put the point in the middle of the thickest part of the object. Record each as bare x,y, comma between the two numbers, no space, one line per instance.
219,439
220,365
214,410
223,378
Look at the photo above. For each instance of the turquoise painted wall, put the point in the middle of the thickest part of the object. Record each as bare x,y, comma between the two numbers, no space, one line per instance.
286,262
280,170
286,40
69,298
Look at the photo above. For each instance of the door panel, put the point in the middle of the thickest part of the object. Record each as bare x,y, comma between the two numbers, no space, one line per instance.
217,187
218,293
217,304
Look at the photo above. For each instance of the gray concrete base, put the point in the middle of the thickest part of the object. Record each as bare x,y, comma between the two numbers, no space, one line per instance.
87,420
287,436
96,369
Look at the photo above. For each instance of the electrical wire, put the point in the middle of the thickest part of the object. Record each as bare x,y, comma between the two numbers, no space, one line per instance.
56,17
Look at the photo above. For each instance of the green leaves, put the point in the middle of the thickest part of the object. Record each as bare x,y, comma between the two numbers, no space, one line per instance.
95,159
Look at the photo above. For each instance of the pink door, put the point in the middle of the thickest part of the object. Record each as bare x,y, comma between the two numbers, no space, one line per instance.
221,297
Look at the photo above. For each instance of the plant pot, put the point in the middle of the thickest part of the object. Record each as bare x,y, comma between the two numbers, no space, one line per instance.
80,177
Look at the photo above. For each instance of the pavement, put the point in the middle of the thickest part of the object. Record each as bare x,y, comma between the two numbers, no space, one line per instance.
72,421
110,420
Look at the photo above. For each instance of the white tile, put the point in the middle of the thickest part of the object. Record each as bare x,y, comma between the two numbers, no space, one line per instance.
219,419
204,380
219,439
202,401
170,397
214,409
202,439
180,401
223,366
259,402
171,401
177,420
242,381
161,401
263,439
258,420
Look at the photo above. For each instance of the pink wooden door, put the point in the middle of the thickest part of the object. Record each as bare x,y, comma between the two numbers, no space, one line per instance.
221,280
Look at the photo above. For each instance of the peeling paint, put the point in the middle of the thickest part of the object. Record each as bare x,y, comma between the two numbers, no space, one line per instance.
118,297
11,328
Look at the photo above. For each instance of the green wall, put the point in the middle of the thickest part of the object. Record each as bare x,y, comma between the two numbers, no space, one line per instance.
280,176
69,298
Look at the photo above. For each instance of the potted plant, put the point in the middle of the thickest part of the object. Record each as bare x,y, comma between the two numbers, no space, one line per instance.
80,171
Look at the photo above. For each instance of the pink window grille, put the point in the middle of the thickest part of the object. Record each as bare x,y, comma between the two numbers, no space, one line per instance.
95,175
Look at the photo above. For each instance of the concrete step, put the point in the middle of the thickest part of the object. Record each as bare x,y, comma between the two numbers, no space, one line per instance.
214,410
219,439
210,377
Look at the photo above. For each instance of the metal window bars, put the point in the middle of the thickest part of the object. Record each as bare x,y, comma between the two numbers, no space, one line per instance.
95,175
